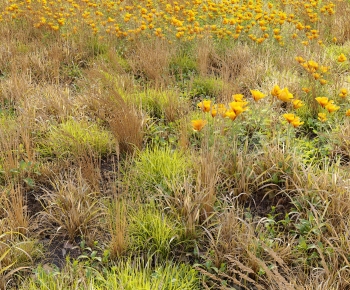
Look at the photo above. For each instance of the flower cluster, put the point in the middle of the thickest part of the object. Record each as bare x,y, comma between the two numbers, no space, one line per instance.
230,111
185,20
328,105
292,119
233,109
314,69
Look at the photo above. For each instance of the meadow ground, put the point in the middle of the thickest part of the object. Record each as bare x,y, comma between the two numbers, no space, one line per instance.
195,144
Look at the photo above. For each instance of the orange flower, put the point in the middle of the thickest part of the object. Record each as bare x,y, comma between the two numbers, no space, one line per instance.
231,114
299,59
198,125
342,58
312,65
205,105
238,97
289,117
292,119
257,95
331,107
296,122
297,104
323,101
324,69
343,92
275,91
284,95
238,107
322,81
322,117
347,113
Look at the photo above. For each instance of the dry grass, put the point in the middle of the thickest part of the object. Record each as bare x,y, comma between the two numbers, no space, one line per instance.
118,228
256,203
71,207
150,60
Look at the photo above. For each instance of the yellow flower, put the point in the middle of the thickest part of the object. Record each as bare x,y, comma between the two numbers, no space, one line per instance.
299,59
331,107
198,124
296,122
342,58
275,91
323,81
347,113
257,95
343,92
238,107
324,69
289,117
231,114
323,101
205,105
238,97
316,76
284,95
297,104
312,65
306,90
322,117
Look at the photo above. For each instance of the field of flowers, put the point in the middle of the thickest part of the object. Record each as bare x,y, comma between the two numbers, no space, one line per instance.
200,144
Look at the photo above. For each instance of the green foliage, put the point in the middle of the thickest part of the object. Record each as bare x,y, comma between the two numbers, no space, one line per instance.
162,134
96,47
154,232
126,275
154,102
183,66
207,86
312,150
23,172
159,168
73,137
16,253
71,71
132,275
47,277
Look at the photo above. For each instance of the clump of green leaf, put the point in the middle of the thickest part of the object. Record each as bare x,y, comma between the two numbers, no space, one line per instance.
159,169
207,86
73,137
133,275
154,102
16,254
47,277
126,275
183,66
154,232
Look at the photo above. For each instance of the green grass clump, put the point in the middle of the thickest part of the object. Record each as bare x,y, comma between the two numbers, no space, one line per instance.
207,86
154,101
132,275
183,66
73,137
159,169
126,275
16,253
154,232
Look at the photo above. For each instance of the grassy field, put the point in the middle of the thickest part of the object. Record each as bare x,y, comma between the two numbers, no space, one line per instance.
198,144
